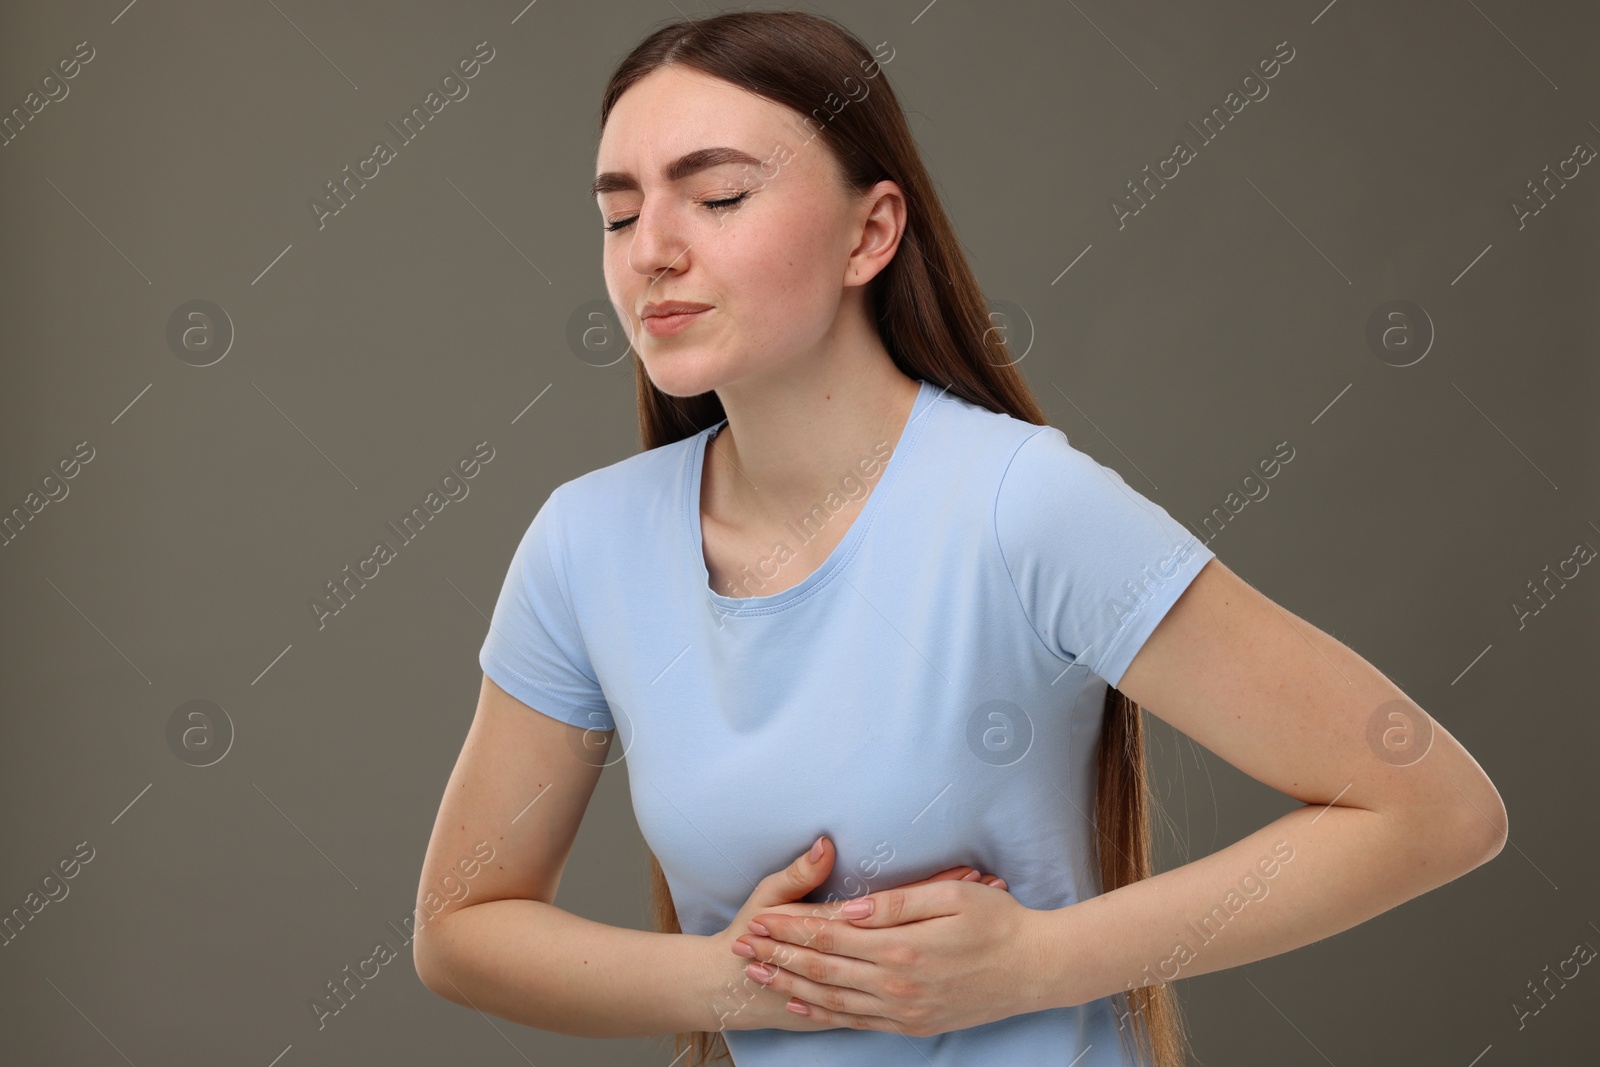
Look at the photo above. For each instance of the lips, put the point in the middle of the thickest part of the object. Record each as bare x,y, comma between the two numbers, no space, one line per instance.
672,307
663,321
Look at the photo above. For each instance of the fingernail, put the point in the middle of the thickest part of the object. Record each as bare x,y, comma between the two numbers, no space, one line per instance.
757,928
816,851
971,876
857,909
740,948
798,1008
760,972
991,880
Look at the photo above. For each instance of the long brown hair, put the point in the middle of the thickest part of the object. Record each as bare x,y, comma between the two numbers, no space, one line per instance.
932,318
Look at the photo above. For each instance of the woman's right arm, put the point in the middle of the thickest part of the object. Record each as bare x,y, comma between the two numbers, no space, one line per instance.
490,937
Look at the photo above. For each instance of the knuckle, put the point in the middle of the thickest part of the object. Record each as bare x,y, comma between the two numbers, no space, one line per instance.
833,1000
899,988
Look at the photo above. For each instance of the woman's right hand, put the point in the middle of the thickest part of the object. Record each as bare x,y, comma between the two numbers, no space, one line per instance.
742,1003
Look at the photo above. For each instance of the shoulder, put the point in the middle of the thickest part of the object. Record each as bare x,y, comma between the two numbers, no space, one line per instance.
621,511
971,444
619,489
1045,459
1054,493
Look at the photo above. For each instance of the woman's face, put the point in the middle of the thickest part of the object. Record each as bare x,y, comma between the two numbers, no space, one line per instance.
773,266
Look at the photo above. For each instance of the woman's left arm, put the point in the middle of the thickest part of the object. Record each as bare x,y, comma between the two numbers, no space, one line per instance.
1394,805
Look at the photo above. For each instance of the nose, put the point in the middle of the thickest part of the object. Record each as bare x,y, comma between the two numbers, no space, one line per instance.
656,243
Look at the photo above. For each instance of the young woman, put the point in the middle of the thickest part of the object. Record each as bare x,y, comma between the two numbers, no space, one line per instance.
856,614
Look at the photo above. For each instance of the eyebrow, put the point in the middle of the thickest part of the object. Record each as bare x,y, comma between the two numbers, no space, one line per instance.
690,163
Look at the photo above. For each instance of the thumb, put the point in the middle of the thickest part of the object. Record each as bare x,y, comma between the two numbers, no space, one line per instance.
797,879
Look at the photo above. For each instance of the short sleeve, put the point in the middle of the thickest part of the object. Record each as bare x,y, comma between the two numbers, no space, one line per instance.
1095,564
534,650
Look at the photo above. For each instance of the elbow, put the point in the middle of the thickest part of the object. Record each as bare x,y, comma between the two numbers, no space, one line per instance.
426,970
1500,831
430,968
1459,826
1482,826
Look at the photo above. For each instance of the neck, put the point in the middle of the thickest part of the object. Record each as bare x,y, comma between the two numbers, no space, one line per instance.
793,436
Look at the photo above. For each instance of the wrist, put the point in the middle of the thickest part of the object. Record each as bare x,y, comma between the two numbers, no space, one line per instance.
1060,959
720,990
702,984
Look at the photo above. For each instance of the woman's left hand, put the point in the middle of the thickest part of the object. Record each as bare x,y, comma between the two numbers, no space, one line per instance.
929,958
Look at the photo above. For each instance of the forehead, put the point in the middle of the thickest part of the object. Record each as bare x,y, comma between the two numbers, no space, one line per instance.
674,110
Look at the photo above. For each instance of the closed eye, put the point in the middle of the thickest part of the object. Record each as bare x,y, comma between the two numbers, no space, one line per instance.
714,205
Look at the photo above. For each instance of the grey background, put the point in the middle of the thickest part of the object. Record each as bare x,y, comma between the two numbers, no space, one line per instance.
371,354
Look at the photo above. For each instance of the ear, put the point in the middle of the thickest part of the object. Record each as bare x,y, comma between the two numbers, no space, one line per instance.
883,223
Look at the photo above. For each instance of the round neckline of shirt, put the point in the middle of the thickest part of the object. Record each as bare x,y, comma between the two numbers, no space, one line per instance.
842,552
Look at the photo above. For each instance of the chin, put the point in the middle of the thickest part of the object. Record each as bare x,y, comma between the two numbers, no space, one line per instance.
684,375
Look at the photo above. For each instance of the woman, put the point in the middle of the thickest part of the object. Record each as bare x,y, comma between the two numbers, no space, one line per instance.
855,613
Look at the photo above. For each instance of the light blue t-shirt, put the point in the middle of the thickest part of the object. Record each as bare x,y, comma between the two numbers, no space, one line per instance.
930,696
